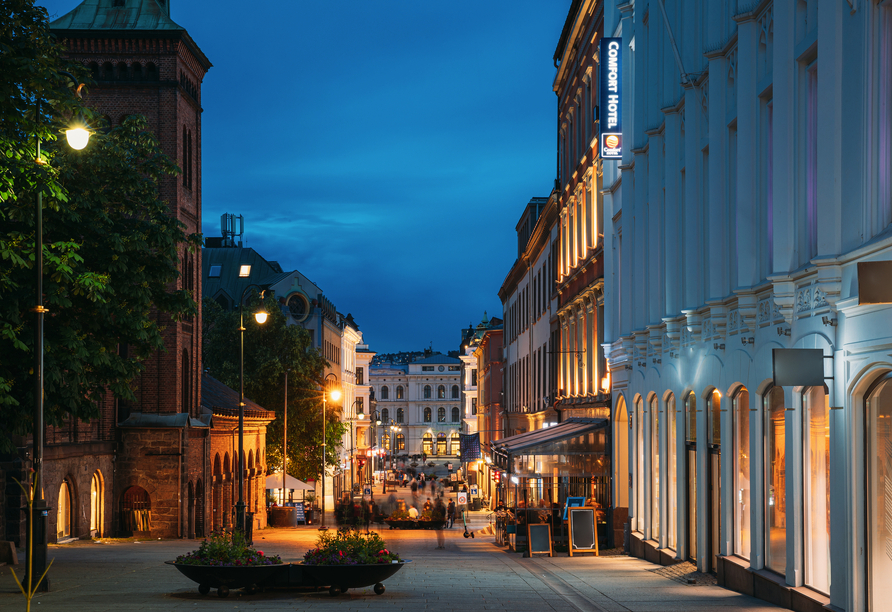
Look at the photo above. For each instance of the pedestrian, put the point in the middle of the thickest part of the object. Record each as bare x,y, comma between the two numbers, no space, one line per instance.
438,515
450,514
428,506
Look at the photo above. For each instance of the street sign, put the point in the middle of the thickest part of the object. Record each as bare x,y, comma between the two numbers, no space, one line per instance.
462,498
367,491
449,466
473,490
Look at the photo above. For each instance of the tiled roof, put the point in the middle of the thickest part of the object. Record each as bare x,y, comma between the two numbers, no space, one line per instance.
220,399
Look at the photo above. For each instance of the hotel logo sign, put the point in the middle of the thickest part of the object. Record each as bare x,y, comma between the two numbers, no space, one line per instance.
610,95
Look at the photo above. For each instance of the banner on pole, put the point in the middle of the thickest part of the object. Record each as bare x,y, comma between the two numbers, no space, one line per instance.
469,447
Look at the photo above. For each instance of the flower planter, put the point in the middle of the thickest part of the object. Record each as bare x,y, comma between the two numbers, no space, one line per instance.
339,578
223,578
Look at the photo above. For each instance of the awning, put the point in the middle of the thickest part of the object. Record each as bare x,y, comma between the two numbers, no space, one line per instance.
568,429
274,481
531,442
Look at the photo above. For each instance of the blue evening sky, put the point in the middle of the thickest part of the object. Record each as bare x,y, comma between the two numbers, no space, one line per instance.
385,149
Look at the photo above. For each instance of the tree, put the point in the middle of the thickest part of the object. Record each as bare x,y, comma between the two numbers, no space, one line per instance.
111,248
270,349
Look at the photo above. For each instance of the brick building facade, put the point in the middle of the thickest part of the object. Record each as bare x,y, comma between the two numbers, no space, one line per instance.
144,466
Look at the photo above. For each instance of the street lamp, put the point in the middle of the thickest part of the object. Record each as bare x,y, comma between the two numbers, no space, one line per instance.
335,395
260,316
284,435
37,530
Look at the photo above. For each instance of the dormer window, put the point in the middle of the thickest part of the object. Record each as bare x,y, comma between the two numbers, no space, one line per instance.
214,272
244,271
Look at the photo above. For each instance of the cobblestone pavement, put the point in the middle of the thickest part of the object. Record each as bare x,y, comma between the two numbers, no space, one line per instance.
469,575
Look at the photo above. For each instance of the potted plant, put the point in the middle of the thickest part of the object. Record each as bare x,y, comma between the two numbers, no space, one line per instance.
224,561
349,559
399,519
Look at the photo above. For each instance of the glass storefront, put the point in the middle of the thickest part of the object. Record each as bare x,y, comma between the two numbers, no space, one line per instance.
655,468
741,472
878,428
776,482
816,482
672,477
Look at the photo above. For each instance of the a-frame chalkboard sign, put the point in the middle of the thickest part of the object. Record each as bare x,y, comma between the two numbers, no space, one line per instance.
583,531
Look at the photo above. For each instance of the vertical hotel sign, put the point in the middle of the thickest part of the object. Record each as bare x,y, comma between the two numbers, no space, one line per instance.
610,94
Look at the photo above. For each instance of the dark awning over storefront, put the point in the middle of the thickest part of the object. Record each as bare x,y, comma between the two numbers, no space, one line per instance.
572,437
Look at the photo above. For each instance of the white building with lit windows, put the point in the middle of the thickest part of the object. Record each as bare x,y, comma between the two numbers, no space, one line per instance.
418,405
756,178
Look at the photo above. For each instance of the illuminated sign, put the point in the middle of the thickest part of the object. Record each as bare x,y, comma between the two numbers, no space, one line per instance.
610,93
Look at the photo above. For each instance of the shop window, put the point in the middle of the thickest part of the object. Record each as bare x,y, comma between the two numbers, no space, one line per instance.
816,483
427,444
671,475
741,473
775,481
655,468
441,443
454,444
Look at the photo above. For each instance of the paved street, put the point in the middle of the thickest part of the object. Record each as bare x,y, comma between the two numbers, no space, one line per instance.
471,574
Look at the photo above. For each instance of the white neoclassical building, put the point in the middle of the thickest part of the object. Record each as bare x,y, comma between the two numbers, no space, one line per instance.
756,178
419,406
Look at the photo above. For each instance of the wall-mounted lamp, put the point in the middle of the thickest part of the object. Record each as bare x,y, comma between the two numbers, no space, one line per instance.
828,321
783,332
744,341
718,347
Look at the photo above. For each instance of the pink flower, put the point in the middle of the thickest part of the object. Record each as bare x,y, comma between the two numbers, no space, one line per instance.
260,552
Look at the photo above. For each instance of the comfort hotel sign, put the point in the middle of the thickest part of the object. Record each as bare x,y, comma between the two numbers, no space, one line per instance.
610,99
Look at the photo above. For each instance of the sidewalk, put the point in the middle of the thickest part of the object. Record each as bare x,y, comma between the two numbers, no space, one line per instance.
471,574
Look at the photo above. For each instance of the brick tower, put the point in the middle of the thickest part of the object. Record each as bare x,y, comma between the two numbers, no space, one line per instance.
145,63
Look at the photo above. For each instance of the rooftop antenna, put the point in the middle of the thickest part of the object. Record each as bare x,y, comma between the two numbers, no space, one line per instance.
232,225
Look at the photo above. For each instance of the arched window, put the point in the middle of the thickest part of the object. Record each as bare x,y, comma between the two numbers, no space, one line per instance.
456,416
441,414
399,392
97,494
136,69
427,391
671,475
94,70
400,442
385,393
741,472
151,72
108,72
690,471
454,391
454,444
122,71
655,468
441,392
441,443
385,415
400,415
639,464
385,441
775,481
427,415
816,469
427,443
63,514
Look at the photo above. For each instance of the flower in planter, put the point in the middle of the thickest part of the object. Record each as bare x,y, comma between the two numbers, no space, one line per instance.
347,547
227,550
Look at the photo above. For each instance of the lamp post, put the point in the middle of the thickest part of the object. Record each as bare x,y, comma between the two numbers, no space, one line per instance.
285,438
260,316
37,549
359,417
335,394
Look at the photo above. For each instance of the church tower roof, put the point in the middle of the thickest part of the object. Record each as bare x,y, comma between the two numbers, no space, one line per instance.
107,15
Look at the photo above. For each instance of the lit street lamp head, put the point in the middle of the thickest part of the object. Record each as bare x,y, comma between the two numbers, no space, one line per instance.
335,395
77,137
260,316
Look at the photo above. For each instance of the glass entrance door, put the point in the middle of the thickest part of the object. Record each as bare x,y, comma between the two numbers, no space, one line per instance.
878,430
692,503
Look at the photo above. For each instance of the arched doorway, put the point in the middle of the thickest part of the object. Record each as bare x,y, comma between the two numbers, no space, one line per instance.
63,513
714,484
96,504
878,447
775,481
639,464
217,495
621,435
690,414
441,443
427,444
136,508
